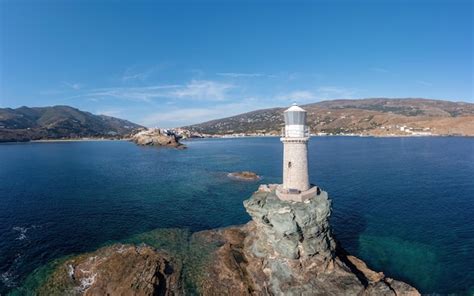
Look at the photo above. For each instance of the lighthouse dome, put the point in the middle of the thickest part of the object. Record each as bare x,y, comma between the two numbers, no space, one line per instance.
295,122
295,108
295,115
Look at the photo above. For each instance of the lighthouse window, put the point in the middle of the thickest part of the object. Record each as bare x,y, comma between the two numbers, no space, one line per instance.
289,164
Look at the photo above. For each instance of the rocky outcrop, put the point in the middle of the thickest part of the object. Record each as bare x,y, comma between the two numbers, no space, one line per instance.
157,137
288,249
116,270
244,176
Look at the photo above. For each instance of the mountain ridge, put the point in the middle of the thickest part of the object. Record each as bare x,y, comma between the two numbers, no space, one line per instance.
59,122
371,116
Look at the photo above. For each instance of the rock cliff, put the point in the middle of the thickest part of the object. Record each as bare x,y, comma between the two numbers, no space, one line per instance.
287,249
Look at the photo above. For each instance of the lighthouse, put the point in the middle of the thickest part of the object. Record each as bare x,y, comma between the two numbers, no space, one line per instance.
295,137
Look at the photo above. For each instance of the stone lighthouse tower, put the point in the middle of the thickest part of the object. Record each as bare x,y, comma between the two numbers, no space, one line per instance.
296,186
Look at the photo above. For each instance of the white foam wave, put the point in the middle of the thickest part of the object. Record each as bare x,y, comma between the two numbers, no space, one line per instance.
22,231
86,283
8,279
70,271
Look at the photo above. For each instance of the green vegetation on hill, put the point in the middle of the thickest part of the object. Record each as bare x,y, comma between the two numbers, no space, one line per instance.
59,122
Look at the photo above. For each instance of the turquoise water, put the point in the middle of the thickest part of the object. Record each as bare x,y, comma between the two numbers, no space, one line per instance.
404,205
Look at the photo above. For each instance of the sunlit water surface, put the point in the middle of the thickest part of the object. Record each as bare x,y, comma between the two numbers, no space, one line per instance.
404,205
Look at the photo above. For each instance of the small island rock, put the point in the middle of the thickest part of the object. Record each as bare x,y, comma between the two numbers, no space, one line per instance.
244,175
157,137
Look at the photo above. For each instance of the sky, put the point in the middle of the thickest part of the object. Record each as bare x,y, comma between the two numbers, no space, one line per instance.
173,63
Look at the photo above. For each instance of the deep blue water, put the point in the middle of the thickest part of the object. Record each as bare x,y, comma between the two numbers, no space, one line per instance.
404,205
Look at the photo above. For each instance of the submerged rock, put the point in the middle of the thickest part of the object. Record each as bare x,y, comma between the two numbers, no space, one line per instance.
244,175
157,137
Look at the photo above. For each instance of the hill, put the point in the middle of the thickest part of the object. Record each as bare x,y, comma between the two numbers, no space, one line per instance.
376,117
59,122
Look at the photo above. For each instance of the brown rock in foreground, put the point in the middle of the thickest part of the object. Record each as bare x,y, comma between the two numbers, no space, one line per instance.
235,270
116,270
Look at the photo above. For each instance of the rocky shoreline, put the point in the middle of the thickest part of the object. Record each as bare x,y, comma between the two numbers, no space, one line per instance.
287,249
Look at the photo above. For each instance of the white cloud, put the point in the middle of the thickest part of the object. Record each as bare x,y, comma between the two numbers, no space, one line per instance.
298,96
203,90
240,75
424,83
379,70
75,86
50,92
187,116
334,92
319,94
144,94
132,74
112,112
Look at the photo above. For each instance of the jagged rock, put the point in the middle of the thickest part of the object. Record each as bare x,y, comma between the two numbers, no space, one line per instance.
244,175
288,249
116,270
291,229
156,137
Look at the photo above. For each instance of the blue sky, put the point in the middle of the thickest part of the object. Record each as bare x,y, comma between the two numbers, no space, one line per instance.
170,63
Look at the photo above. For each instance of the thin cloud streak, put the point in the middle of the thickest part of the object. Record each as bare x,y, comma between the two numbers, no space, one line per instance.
188,116
194,90
319,94
75,86
298,96
203,90
239,75
379,70
144,94
131,74
112,113
424,83
335,92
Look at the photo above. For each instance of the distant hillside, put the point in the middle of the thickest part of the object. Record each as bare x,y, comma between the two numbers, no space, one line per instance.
365,116
58,122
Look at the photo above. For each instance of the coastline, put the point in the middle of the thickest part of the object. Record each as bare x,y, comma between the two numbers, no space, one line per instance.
236,137
339,135
63,140
72,140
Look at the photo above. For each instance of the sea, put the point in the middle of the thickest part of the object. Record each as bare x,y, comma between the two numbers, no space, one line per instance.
403,205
